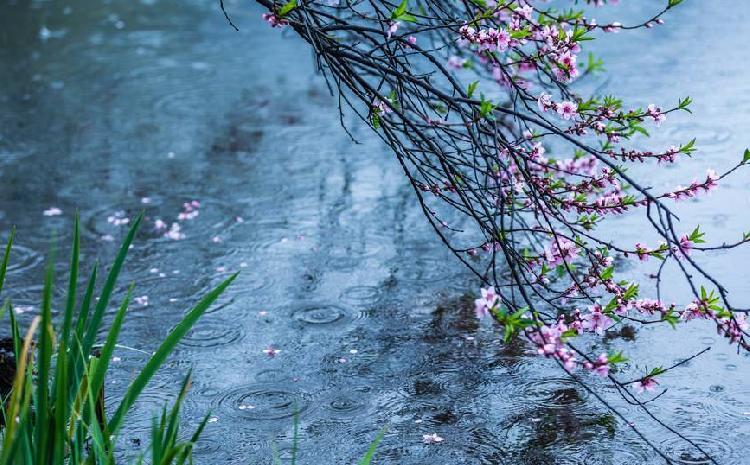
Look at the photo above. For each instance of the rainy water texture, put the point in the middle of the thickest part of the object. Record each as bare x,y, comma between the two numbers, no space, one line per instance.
112,107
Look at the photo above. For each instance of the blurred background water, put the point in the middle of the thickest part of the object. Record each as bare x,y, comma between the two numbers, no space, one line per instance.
111,107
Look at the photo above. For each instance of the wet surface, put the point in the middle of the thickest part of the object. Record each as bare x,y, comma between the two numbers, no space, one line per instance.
115,107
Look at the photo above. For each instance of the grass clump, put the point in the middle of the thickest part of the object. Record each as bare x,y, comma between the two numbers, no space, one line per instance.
54,413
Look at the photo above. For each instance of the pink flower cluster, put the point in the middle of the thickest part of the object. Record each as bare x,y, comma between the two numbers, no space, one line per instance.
733,327
491,39
566,110
559,251
695,187
190,210
274,20
654,112
550,343
382,106
596,321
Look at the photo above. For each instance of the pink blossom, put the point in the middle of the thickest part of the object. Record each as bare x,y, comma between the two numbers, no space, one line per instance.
544,102
456,62
567,110
711,180
596,320
525,11
646,384
392,28
382,106
642,251
271,351
560,250
692,310
655,112
274,20
600,366
614,27
432,438
174,232
685,245
568,60
484,305
503,39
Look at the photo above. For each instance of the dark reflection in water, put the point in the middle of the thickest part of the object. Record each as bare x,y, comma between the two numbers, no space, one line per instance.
120,106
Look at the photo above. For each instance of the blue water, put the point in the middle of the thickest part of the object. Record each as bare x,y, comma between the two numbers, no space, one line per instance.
107,103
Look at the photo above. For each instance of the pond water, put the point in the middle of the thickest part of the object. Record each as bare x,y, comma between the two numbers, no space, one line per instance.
113,107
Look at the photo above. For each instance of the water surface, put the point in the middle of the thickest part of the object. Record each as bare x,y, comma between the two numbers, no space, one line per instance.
112,107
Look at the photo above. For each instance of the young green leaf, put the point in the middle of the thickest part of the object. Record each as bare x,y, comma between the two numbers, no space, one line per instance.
288,6
472,88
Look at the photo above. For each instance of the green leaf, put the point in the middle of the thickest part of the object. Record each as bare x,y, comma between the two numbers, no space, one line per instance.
697,236
521,34
655,372
616,357
746,156
472,88
408,17
400,10
688,148
685,103
288,6
486,108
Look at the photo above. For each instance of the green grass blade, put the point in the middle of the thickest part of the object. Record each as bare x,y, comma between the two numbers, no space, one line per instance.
4,308
186,453
42,434
77,358
83,314
97,378
367,458
137,386
6,258
62,406
15,333
19,397
199,430
72,283
173,425
109,286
